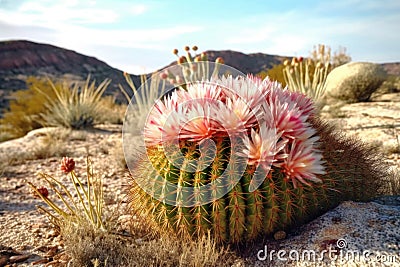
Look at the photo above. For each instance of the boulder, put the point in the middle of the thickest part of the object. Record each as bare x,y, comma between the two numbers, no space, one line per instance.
354,82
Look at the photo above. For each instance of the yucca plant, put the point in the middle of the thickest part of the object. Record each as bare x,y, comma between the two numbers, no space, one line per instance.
242,157
82,205
77,107
143,98
307,77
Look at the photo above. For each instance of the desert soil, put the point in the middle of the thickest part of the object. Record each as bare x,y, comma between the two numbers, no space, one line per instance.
29,238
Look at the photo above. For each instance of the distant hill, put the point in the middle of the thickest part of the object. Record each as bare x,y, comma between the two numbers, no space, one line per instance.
20,59
246,63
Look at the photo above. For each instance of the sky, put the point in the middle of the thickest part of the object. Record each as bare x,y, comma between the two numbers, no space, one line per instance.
138,36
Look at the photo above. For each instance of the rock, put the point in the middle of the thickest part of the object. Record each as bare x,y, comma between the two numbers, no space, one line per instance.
369,229
354,81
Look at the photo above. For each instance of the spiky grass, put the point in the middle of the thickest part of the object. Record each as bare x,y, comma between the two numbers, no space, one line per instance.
143,98
77,107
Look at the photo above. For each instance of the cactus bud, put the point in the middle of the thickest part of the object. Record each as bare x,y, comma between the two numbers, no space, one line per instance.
175,51
178,79
219,60
182,60
163,75
286,62
194,48
300,59
187,48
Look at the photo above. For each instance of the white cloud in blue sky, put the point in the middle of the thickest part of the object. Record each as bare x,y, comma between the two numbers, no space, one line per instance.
138,36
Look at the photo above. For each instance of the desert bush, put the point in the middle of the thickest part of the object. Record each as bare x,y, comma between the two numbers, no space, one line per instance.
112,113
50,103
275,74
323,53
390,85
25,107
90,237
54,143
354,81
78,107
143,98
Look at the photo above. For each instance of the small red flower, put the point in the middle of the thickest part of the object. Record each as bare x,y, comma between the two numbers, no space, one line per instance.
42,191
67,165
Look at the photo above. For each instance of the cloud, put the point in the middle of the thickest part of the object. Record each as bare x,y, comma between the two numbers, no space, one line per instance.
138,9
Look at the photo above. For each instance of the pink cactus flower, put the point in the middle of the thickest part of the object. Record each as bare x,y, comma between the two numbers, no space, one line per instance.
303,163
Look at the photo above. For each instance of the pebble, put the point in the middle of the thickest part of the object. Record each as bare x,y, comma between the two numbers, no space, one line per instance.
280,235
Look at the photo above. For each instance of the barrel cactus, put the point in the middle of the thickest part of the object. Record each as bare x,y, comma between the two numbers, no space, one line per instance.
243,158
354,81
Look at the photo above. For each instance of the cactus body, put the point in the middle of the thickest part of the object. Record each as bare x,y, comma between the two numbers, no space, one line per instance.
237,211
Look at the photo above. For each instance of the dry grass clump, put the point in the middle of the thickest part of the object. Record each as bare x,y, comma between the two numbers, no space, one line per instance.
89,247
49,143
393,183
117,153
52,144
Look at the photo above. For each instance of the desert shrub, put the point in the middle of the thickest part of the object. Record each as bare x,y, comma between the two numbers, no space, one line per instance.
91,236
52,103
307,77
275,74
143,98
52,144
390,85
354,81
78,107
25,107
112,113
394,182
